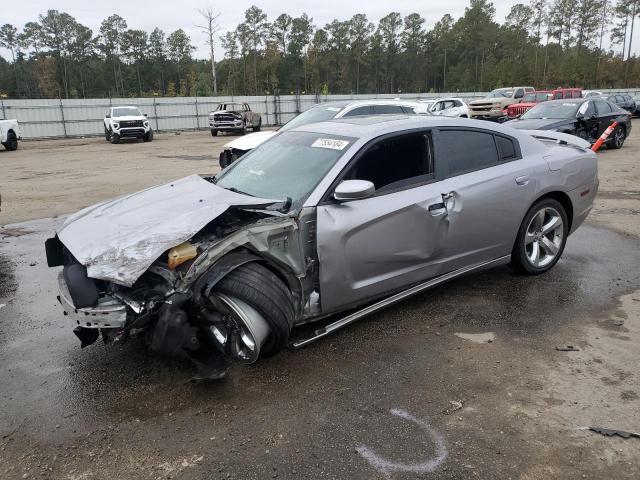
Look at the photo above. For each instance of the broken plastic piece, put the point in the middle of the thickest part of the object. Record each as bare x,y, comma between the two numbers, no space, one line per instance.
611,433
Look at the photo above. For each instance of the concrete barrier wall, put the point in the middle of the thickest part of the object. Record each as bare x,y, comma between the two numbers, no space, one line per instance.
51,118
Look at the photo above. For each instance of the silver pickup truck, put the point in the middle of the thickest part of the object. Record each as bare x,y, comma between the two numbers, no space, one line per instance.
234,117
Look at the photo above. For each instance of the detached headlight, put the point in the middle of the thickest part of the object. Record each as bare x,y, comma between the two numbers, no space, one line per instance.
180,254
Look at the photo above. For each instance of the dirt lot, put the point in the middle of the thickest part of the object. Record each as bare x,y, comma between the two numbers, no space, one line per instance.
462,382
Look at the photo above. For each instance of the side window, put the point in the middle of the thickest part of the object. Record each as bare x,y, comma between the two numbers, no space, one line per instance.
457,103
619,99
557,96
448,104
603,108
382,109
437,107
465,150
396,163
519,93
366,110
506,148
589,111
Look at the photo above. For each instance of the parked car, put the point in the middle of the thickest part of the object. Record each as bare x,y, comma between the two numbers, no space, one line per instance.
533,98
125,121
450,107
586,118
234,117
591,93
624,101
325,111
342,218
493,106
10,134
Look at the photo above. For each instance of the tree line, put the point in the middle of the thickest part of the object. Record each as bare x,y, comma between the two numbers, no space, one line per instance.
545,43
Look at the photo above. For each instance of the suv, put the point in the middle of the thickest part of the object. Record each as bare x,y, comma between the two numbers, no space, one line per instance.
493,106
234,117
319,113
450,107
532,98
126,121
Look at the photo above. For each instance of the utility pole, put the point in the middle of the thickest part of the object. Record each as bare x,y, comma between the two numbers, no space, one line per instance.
444,72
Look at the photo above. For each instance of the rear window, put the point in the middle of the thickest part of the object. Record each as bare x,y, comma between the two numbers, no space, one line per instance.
387,109
466,150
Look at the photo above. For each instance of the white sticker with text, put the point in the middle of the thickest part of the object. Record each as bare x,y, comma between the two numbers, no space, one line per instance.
331,143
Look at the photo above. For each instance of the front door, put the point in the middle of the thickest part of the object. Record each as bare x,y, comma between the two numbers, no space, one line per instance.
370,247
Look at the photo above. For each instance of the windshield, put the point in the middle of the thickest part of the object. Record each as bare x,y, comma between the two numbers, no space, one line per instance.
535,97
316,114
291,164
554,110
500,93
234,107
126,112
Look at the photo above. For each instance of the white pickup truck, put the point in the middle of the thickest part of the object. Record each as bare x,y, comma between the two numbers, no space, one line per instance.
126,122
10,134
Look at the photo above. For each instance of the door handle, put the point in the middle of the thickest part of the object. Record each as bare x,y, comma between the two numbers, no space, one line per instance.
437,209
522,180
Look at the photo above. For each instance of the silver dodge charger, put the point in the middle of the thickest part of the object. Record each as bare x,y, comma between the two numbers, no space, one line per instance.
348,215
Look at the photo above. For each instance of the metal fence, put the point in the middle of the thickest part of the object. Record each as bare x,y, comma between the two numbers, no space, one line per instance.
54,118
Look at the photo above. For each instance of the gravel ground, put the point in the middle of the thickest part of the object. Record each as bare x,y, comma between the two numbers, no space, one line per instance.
464,381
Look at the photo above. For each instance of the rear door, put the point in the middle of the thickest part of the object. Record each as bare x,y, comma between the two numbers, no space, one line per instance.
488,189
606,115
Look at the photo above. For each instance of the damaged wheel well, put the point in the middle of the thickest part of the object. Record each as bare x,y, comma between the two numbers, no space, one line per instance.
237,258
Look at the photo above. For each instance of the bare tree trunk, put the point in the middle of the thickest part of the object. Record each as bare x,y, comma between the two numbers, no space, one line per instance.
210,28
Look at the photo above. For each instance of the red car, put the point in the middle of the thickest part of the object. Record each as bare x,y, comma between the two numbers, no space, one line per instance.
532,98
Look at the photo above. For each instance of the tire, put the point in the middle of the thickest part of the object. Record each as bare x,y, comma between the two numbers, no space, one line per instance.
618,137
214,132
224,162
243,130
148,137
107,134
524,251
257,128
114,138
12,142
263,290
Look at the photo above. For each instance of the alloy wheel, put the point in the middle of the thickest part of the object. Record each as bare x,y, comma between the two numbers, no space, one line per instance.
544,237
618,137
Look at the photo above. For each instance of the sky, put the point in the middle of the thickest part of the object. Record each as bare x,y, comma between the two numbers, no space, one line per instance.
171,15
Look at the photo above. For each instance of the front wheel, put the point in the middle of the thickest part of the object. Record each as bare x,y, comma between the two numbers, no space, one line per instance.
12,142
114,138
541,238
214,132
249,314
107,134
148,137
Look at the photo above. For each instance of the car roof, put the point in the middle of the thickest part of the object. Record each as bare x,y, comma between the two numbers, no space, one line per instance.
372,126
124,106
369,101
444,99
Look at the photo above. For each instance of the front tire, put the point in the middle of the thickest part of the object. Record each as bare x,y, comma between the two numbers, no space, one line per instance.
541,238
214,132
148,137
12,142
267,297
107,134
114,138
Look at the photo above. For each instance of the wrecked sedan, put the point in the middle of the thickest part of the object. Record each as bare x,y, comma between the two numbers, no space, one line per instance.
334,219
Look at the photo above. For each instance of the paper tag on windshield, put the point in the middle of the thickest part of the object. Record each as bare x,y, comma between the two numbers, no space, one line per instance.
331,143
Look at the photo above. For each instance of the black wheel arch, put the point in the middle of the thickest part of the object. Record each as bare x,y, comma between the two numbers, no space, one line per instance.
229,262
563,199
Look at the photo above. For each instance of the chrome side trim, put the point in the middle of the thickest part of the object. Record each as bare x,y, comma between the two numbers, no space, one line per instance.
354,317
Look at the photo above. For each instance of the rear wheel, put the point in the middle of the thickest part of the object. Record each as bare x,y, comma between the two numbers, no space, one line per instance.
253,315
12,142
541,238
257,128
617,138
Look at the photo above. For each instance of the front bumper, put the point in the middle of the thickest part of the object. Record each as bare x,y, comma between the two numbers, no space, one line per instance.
225,125
132,131
109,313
497,117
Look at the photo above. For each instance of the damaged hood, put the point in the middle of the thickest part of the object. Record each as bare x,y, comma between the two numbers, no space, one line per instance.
118,240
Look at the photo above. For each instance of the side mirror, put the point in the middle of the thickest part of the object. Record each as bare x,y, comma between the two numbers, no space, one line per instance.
353,190
145,114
